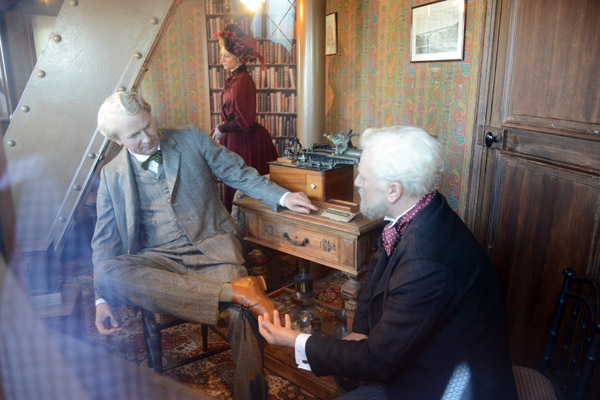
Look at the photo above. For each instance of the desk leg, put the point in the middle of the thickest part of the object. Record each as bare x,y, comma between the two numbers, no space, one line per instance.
350,291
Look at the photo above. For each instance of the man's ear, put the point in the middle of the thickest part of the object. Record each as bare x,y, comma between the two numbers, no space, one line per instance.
393,192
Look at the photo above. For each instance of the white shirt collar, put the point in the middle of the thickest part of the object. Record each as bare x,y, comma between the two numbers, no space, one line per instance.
141,157
399,216
153,166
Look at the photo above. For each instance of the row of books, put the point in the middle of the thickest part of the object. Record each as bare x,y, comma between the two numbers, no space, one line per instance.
276,102
274,77
278,125
283,77
217,24
224,7
273,53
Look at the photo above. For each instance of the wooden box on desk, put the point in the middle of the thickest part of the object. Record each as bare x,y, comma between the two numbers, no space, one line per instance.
320,185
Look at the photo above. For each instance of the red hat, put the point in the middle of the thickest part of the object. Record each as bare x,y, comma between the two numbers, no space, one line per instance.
243,46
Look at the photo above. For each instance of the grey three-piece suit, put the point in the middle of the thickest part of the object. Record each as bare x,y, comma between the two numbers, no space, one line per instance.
165,241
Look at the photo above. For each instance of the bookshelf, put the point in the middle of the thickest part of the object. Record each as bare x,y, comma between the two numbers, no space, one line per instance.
273,27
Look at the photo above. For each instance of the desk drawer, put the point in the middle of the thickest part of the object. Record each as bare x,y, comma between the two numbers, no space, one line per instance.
302,241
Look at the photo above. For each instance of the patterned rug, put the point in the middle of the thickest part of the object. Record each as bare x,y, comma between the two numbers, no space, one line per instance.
213,375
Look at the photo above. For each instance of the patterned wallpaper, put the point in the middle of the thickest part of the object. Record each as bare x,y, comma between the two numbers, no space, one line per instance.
371,82
176,84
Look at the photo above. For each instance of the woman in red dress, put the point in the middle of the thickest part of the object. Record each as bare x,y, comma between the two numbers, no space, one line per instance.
239,131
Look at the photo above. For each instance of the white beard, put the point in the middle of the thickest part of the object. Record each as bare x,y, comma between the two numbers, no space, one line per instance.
375,210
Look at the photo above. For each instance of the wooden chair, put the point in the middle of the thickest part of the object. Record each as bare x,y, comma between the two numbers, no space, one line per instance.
572,347
154,323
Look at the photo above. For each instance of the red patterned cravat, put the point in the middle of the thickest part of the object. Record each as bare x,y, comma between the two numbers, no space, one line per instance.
392,233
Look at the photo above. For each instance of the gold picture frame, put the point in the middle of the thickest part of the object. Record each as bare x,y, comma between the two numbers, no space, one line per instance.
331,34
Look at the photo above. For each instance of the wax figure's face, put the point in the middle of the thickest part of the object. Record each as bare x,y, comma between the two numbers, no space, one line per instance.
228,60
138,132
372,196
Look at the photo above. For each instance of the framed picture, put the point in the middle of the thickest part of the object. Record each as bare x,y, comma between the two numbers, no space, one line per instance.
437,31
331,34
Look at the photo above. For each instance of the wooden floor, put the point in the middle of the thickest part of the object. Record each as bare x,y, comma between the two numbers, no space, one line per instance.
281,360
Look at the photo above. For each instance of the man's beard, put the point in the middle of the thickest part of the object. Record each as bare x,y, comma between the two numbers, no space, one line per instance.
375,210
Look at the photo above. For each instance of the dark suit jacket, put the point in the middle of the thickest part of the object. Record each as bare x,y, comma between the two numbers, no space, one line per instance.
434,303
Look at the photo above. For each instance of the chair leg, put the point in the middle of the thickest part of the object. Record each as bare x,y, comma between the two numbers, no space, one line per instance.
204,337
152,341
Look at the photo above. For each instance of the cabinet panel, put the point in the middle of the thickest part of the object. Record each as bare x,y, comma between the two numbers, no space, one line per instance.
545,219
543,50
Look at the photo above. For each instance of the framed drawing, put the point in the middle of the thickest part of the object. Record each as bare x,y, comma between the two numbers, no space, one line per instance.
437,31
331,34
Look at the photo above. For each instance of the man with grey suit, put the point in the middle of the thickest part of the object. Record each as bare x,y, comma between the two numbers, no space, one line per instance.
165,242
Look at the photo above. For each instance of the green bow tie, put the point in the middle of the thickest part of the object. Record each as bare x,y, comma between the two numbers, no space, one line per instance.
156,157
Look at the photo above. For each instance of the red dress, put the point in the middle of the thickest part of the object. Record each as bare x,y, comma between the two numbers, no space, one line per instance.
242,134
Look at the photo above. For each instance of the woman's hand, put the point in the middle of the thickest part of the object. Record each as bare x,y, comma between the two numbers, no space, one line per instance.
217,135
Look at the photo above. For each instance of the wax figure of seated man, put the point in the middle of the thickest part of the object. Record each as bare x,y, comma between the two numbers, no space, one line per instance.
431,318
165,242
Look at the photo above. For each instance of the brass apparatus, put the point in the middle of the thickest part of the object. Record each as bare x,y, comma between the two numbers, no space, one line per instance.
326,156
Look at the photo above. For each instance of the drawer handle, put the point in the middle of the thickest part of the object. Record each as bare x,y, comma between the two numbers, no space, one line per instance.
313,186
287,237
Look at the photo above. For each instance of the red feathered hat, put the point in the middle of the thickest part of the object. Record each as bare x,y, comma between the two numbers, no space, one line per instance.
243,46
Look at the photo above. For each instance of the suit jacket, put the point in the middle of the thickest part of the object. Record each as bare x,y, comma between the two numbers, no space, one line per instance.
190,157
436,302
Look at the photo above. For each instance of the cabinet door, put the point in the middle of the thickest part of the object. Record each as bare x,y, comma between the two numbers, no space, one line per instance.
538,157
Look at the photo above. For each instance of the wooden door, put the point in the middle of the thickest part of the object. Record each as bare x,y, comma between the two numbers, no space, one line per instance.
537,183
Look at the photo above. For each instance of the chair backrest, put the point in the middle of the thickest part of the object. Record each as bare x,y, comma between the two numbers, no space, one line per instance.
573,344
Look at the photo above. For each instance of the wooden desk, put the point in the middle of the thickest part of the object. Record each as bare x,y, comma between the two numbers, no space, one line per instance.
345,246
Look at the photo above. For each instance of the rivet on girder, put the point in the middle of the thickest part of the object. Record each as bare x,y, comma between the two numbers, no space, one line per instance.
62,219
74,3
154,21
91,155
25,108
137,55
41,73
11,143
56,38
76,187
121,88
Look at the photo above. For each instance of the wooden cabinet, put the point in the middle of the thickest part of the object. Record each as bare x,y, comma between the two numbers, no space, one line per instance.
345,246
538,158
273,27
320,185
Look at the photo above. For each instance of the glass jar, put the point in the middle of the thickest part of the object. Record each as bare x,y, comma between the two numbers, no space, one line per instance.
306,318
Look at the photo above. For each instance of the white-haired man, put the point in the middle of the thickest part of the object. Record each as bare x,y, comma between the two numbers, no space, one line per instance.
431,320
164,240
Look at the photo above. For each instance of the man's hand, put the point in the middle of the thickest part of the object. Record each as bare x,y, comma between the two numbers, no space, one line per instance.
104,313
355,336
276,334
299,202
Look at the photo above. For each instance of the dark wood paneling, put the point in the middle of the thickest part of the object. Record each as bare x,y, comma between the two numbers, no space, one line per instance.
547,219
537,208
554,65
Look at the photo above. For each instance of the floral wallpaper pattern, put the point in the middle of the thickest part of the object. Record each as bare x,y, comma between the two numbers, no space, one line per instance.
371,82
176,83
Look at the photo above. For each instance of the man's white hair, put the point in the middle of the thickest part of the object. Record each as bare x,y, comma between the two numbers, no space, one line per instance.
405,154
120,103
